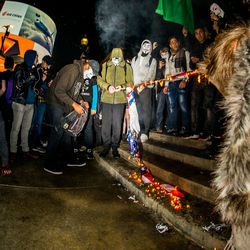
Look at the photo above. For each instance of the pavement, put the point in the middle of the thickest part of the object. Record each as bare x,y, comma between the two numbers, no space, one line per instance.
85,208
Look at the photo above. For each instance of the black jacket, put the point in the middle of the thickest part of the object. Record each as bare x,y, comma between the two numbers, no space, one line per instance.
23,78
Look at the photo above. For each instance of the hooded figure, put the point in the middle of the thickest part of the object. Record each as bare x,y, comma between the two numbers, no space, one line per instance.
144,65
227,64
116,75
144,69
23,97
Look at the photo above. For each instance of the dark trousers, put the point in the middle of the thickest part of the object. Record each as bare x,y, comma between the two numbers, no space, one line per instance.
162,106
144,108
112,118
87,137
57,136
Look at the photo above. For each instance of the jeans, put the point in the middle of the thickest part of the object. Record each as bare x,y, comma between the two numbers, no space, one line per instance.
177,96
22,117
57,136
39,111
162,105
3,142
144,108
112,118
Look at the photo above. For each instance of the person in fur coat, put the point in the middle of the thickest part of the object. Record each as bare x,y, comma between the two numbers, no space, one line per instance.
227,64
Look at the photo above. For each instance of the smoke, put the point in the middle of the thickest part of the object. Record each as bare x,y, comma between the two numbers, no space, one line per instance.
125,23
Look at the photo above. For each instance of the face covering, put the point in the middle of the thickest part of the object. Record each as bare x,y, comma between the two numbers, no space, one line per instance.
88,73
116,60
146,47
164,55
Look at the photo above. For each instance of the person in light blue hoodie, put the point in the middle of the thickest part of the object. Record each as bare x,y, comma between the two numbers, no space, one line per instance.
25,77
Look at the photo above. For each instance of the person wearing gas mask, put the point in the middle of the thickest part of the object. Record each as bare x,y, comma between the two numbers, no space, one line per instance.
64,96
116,75
144,69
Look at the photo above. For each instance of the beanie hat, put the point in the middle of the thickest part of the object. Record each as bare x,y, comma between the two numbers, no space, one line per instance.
29,57
95,66
47,59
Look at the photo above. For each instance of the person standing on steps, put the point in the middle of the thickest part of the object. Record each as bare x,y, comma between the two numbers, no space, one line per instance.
116,75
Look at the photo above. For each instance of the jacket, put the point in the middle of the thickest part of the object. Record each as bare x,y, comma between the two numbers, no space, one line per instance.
66,87
144,67
24,79
112,75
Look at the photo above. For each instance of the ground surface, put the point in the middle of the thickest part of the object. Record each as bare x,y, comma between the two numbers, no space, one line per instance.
82,209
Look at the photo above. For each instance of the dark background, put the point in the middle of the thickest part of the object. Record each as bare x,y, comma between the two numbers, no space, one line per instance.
74,19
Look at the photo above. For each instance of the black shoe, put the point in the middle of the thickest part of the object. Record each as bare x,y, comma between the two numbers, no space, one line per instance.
104,153
205,136
184,132
116,154
172,131
53,170
76,163
89,153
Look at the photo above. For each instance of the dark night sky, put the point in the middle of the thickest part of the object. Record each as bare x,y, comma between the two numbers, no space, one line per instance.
77,18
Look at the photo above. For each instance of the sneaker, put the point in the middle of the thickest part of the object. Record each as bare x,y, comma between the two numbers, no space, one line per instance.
195,136
44,143
172,131
39,150
184,132
90,155
28,154
205,137
53,170
116,154
76,163
144,137
104,153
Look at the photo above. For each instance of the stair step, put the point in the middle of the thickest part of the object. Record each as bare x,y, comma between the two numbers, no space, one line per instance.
187,155
188,221
190,179
181,141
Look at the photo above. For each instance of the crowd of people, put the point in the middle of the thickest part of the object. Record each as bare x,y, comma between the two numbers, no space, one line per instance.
34,100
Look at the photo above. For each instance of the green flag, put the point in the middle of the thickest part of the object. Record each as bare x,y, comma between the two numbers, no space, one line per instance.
177,11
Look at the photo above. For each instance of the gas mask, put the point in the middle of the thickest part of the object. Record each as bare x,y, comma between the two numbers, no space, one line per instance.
88,73
146,48
116,60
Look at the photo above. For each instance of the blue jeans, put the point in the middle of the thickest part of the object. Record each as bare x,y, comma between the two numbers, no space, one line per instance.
4,152
39,110
162,105
177,96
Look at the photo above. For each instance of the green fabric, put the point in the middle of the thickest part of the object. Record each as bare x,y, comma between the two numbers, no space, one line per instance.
177,11
112,75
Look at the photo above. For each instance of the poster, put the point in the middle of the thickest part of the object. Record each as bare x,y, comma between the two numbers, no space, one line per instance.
32,29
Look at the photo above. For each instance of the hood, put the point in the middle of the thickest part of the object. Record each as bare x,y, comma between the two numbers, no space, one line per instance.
29,57
151,47
79,64
95,66
117,52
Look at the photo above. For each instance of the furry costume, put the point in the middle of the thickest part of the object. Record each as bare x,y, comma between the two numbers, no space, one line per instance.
227,64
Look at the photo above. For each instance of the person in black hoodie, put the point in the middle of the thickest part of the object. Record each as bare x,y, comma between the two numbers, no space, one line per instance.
24,78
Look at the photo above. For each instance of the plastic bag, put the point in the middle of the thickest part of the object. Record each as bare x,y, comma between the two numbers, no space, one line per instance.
74,123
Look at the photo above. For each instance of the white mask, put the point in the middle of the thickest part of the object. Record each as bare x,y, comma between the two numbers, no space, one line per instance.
116,60
88,73
164,55
146,47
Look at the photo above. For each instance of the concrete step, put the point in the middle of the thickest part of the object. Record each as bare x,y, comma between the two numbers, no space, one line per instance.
190,179
180,141
183,153
189,221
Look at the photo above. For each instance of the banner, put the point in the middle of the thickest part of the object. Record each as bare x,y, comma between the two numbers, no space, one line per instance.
177,11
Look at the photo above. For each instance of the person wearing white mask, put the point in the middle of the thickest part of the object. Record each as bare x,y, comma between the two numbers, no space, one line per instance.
144,70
